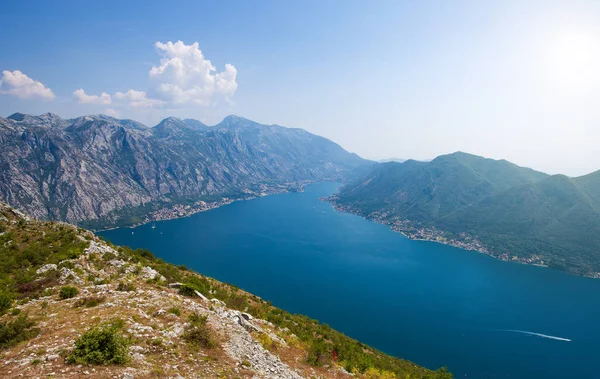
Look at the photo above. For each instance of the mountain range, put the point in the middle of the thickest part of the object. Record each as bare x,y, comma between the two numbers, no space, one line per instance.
511,212
98,171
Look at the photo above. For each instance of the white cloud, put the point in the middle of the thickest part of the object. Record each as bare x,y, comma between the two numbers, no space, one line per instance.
83,98
185,76
138,99
112,112
17,84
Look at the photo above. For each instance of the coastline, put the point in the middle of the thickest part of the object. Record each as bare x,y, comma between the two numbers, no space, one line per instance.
418,233
178,210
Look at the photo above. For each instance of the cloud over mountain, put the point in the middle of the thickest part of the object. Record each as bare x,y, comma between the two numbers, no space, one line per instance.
183,77
18,84
137,99
83,98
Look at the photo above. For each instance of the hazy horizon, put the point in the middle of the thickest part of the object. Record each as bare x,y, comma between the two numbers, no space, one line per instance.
514,80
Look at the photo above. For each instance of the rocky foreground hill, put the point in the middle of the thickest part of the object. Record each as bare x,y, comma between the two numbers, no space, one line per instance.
74,306
99,172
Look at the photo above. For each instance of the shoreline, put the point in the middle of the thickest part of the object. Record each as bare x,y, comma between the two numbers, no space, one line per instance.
177,211
397,224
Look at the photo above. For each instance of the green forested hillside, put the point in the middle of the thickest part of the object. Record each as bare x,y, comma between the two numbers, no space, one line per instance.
516,213
590,185
553,219
422,191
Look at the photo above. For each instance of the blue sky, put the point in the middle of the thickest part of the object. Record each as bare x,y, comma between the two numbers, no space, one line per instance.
407,79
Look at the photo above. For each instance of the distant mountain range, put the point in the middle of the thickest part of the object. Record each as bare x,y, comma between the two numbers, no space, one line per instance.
399,160
98,171
507,211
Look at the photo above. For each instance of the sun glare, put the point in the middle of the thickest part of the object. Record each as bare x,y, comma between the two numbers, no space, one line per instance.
574,59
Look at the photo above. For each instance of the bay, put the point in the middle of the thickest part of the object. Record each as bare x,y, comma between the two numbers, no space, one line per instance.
430,303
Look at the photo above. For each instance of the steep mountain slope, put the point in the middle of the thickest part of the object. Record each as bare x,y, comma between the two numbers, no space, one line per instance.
496,207
73,305
99,171
590,185
552,221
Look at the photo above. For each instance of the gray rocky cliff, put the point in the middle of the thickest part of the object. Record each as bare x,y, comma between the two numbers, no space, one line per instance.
97,170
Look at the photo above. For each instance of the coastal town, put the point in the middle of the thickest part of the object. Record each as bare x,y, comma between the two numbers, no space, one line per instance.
415,231
184,210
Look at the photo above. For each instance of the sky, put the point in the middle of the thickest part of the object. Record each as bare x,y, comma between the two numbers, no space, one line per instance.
517,80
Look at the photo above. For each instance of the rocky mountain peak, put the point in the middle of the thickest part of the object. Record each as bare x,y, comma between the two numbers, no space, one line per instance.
171,127
43,120
17,116
236,121
171,121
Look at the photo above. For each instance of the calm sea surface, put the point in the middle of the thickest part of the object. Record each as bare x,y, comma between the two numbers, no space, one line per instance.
433,304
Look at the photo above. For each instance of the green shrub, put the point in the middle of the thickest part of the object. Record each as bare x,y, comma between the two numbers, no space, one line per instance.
198,333
267,342
100,345
188,290
28,287
15,311
68,292
89,302
174,311
125,287
156,342
13,332
6,301
319,354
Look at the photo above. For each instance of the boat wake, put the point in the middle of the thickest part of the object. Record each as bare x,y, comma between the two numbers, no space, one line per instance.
535,334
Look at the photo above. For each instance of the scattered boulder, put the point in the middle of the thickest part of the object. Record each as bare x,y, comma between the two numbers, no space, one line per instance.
217,302
248,325
148,273
99,248
46,268
200,295
160,312
175,331
136,349
117,262
52,357
67,275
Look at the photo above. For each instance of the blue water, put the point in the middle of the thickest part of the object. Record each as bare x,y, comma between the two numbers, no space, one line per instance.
433,304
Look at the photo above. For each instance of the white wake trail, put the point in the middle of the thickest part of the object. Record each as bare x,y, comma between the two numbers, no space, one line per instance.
536,334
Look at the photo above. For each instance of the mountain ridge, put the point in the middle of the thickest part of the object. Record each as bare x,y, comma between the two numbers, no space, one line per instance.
493,206
100,172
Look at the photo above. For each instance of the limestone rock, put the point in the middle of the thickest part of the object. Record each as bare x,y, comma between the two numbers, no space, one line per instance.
46,268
